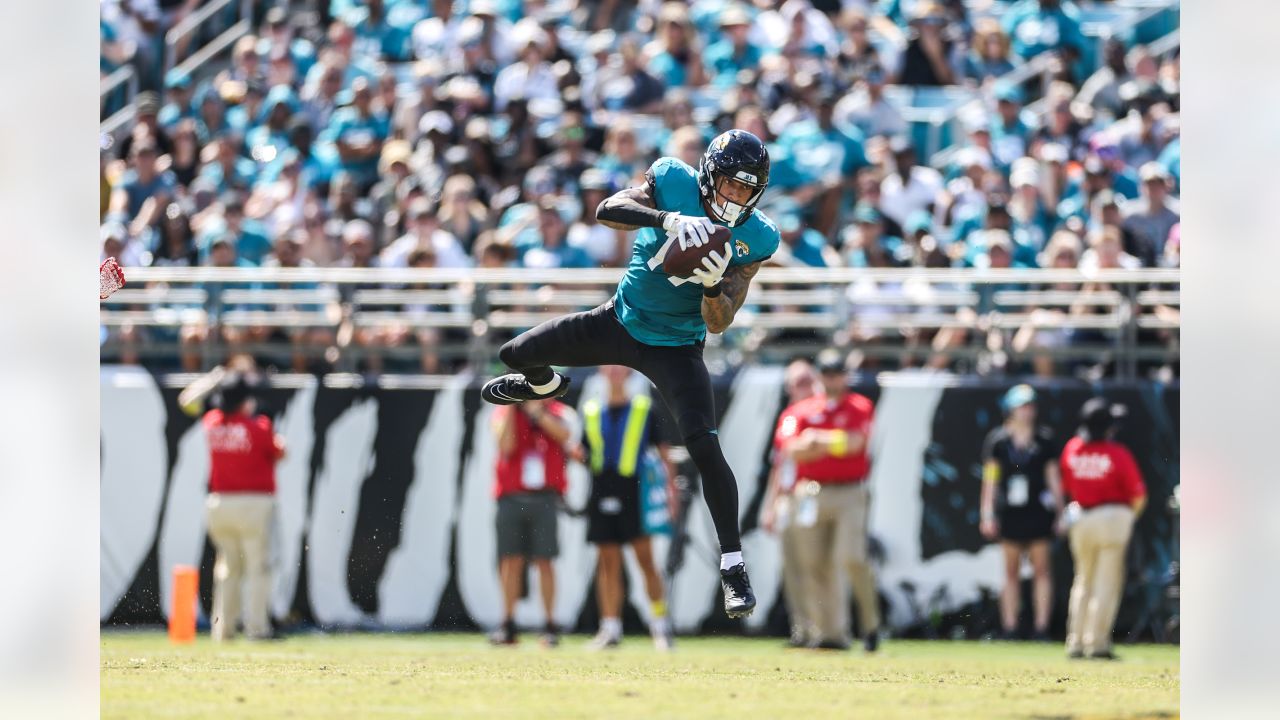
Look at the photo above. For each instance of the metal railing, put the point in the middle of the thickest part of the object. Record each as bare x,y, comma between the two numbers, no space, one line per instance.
207,19
123,78
1127,318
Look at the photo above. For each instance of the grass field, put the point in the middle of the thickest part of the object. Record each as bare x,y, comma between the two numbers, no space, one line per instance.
437,676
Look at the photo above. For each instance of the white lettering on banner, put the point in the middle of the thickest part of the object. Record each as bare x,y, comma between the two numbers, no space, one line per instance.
417,569
902,432
1090,466
182,531
348,459
293,477
134,463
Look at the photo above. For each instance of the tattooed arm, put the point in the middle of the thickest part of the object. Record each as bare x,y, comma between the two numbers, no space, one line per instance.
718,310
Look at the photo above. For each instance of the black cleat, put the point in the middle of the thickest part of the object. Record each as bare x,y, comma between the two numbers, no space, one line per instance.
1075,654
513,388
551,636
505,634
1103,655
871,642
739,601
839,645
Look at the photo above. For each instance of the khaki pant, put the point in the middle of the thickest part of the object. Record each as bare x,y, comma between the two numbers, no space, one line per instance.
1098,542
240,527
835,544
803,628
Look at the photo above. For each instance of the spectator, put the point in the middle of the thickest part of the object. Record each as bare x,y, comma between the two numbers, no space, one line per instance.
1102,90
1021,497
908,187
287,253
1151,217
185,161
172,242
629,86
777,513
178,106
616,441
1009,134
989,58
1107,493
357,133
425,233
1038,26
674,56
249,237
828,443
621,157
531,77
376,36
143,191
867,109
119,245
865,244
549,247
146,125
243,452
606,246
461,213
733,52
529,481
928,57
228,170
687,144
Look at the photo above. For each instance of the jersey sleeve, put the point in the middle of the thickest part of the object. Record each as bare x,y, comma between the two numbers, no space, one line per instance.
666,178
1064,464
761,237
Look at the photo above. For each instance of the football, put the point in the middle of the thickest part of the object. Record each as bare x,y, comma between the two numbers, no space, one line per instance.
682,263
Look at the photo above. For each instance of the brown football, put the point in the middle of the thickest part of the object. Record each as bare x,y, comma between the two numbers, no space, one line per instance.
682,263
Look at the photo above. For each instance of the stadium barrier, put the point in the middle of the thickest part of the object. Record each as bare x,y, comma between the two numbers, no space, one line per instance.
385,511
1126,318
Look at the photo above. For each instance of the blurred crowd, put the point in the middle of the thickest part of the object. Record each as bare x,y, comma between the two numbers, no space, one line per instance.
459,133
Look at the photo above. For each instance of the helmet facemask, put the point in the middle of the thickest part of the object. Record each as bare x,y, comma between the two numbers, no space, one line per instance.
720,206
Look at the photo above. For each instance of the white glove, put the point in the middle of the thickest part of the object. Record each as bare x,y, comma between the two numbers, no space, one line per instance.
689,230
713,267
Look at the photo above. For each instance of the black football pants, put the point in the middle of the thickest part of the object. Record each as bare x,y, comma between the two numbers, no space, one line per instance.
597,337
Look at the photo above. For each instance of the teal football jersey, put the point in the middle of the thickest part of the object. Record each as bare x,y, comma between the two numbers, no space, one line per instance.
660,309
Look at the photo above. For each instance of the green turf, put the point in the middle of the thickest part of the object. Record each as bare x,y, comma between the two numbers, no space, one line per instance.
412,676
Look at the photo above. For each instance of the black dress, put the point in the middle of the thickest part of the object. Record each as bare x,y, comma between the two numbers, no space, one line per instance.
1024,504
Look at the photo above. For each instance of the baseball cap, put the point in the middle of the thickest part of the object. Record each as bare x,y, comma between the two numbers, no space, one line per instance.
865,212
1053,152
1024,172
1008,92
595,179
1153,171
177,79
435,121
829,361
918,221
1017,396
734,15
997,239
1098,415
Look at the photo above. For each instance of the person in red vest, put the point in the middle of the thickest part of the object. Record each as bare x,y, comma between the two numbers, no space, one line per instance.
828,443
243,452
529,481
1102,480
777,510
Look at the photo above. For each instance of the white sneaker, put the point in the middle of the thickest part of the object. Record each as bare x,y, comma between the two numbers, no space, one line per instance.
604,641
663,639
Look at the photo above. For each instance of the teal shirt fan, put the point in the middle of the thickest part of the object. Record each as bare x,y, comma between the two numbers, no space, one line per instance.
660,309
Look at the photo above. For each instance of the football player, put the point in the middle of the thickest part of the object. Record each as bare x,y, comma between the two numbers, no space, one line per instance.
657,323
